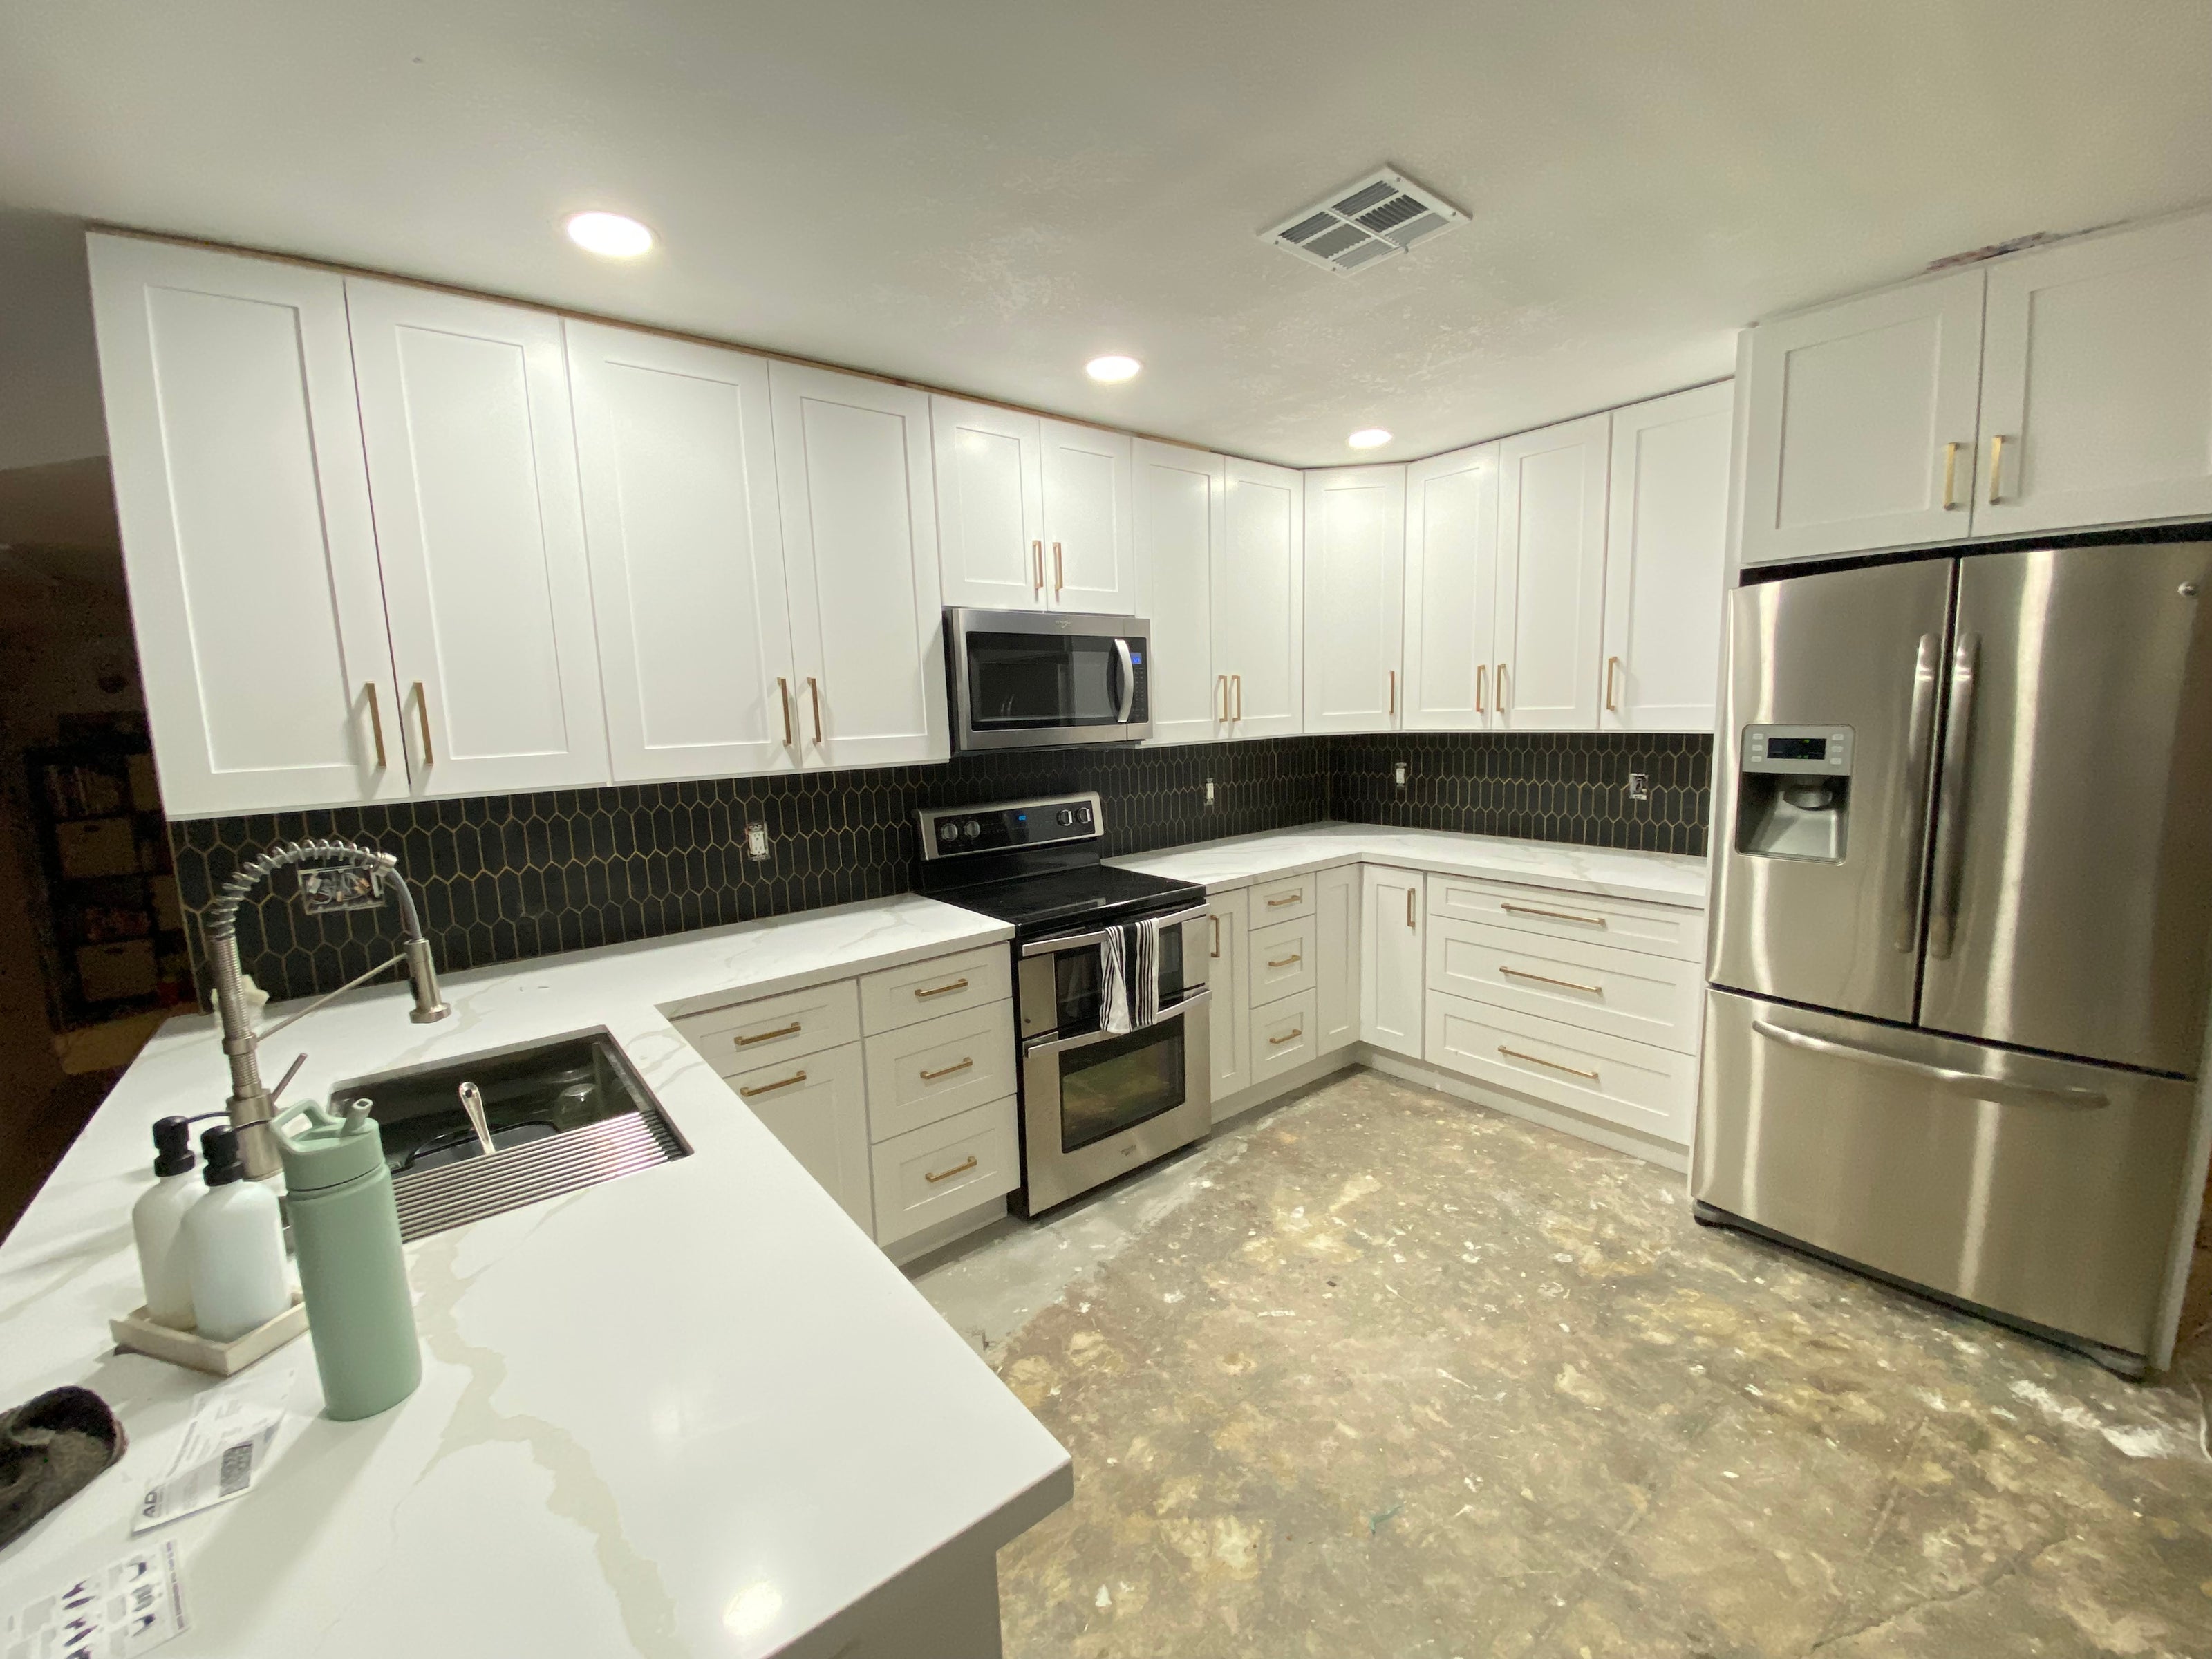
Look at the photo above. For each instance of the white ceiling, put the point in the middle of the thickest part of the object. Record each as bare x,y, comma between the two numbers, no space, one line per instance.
981,196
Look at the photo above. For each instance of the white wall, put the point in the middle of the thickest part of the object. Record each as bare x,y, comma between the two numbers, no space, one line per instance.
49,370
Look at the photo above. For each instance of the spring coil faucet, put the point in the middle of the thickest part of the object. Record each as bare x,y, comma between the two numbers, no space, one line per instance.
250,1105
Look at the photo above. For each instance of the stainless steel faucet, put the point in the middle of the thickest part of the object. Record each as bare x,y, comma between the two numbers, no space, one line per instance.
250,1105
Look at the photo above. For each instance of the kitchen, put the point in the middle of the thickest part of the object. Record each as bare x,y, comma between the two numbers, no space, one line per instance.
1176,1015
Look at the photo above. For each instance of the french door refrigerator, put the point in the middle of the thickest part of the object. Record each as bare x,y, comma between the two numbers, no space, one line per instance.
1958,966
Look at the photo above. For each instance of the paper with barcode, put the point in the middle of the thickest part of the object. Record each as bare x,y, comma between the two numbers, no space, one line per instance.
127,1607
226,1444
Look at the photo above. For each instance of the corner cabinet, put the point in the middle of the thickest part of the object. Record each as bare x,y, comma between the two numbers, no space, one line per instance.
1034,513
1259,600
1178,509
1355,569
1551,575
1337,949
1451,590
1393,924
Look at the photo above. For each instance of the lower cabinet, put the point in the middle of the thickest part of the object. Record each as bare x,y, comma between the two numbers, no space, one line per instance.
1231,1007
1636,1084
932,1173
1286,1035
817,1106
1393,920
1336,956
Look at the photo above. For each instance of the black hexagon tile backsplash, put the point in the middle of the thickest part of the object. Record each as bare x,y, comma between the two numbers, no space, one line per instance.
505,877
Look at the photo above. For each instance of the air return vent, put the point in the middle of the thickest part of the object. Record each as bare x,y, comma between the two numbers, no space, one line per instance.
1364,223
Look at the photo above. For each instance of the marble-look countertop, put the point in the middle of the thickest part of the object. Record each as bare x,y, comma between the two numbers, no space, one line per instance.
695,1411
1220,865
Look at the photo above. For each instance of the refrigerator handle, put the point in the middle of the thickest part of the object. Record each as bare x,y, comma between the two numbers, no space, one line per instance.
1912,821
1998,1091
1951,805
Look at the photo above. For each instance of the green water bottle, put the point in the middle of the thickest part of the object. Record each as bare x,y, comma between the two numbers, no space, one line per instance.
345,1235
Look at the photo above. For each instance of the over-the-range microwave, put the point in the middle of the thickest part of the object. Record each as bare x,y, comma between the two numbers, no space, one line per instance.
1037,679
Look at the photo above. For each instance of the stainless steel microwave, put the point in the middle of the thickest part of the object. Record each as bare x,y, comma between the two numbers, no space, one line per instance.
1039,680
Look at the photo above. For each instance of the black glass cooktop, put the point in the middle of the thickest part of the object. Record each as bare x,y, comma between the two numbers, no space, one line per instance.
1091,895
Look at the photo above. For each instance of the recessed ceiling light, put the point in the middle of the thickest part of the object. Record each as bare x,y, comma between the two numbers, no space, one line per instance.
1368,437
1112,368
613,234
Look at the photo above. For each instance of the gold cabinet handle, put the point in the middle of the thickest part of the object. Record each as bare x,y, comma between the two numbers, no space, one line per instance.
940,990
1287,898
1482,688
1393,691
790,1029
783,696
1059,570
1037,550
1409,907
1285,962
947,1175
1612,671
375,722
1996,466
814,691
1501,688
1951,502
1216,920
1556,915
1221,685
1237,682
947,1071
423,714
770,1088
1287,1036
1538,1060
1546,979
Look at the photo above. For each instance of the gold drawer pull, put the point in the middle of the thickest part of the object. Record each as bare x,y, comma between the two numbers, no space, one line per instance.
770,1088
1287,898
1538,1060
1285,962
1556,915
947,1175
769,1037
375,721
1546,979
947,1071
940,990
1288,1037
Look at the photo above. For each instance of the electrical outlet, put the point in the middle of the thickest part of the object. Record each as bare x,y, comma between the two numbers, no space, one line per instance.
1639,786
757,841
1209,792
1397,774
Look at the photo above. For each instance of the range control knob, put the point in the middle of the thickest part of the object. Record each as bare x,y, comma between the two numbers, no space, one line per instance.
1066,817
947,831
971,828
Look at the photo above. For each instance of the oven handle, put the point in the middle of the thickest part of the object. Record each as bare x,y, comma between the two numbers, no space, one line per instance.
1053,1045
1053,947
1128,680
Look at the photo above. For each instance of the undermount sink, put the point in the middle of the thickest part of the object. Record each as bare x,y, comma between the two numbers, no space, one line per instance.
562,1115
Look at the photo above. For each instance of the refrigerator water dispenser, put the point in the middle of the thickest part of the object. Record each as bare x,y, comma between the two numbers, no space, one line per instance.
1793,797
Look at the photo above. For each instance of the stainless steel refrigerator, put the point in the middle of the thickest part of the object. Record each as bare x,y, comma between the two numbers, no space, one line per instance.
1962,920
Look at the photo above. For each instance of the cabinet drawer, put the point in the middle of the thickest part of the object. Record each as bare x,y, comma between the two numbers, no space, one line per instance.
922,1074
929,1174
750,1035
1286,1035
1282,961
1653,1090
1666,930
1283,901
893,997
1599,988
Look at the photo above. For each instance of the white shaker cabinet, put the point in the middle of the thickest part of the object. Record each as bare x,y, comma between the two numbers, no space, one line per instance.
1393,926
1337,949
1229,1012
243,500
1666,554
2096,391
859,546
473,470
1451,590
1860,422
1033,513
1355,567
678,472
1178,509
1090,544
817,1106
1259,600
1551,575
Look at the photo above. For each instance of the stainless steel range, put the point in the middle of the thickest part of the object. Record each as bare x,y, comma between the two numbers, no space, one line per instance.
1111,1001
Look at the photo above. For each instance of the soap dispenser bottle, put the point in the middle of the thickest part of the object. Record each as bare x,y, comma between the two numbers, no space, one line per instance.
345,1233
235,1237
164,1264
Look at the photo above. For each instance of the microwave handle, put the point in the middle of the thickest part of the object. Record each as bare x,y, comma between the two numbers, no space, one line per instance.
1129,681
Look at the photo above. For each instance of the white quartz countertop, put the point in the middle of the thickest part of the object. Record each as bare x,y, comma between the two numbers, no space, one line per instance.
695,1411
1220,866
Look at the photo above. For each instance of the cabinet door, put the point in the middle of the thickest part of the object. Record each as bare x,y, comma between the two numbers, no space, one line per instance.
1394,921
1355,568
1232,1018
1551,575
990,506
1337,952
678,474
1451,587
1859,415
243,499
1178,510
473,470
2097,383
1091,544
1666,554
1258,593
859,549
817,1106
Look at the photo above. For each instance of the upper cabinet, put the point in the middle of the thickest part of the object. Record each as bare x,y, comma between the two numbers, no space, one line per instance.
860,544
1033,513
243,501
1179,507
1355,566
1666,554
678,468
1451,590
1551,575
1259,600
472,472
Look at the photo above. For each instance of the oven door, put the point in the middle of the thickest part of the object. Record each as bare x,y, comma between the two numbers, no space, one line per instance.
1024,680
1096,1105
1058,992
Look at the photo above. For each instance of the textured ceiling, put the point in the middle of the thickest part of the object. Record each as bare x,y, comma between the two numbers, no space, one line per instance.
983,195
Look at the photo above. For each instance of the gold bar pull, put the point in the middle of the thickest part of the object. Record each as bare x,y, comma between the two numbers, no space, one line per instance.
1950,502
1238,681
783,696
1612,669
1037,549
1287,898
814,691
1538,1060
1409,908
423,712
1482,688
1501,689
1556,915
947,1175
947,1071
940,990
1216,920
375,723
1996,464
1287,1036
1393,691
1546,979
1221,683
770,1088
790,1029
1059,570
1295,957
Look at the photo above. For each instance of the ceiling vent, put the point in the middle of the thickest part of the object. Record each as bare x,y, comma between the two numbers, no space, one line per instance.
1383,214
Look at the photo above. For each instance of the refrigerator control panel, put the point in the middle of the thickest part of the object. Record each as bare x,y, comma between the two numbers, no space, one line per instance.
1822,749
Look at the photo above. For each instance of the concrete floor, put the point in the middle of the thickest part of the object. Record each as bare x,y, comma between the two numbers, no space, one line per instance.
1378,1373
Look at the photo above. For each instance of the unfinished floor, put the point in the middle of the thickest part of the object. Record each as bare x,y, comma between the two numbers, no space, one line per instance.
1383,1374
